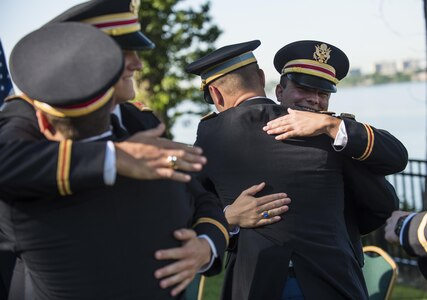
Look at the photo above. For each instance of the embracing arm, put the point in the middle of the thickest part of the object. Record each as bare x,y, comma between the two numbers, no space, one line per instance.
410,230
203,246
377,149
32,166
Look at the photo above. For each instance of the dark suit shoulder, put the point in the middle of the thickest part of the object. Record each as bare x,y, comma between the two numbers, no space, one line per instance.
140,106
18,120
19,105
136,118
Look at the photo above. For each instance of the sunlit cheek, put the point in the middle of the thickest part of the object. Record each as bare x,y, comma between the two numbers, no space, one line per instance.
124,90
324,103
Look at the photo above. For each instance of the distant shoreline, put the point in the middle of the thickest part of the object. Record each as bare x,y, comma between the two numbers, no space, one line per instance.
378,78
370,79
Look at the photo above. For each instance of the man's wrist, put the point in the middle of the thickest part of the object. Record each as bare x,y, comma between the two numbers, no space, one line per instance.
332,125
399,224
228,216
213,253
233,228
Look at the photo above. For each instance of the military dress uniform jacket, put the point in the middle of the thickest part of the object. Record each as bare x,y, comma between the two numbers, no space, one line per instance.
29,167
18,116
30,163
20,138
100,244
312,233
414,240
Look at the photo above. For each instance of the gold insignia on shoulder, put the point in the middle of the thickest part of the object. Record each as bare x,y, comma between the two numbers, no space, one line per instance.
208,116
141,106
325,112
348,116
322,53
134,6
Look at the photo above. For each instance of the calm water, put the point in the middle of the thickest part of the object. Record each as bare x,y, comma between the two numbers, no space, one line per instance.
399,108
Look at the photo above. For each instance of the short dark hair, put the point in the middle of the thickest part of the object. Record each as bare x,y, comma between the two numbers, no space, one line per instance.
242,78
85,126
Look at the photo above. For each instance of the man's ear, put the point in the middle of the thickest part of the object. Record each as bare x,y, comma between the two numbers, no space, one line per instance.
45,127
261,77
279,91
216,95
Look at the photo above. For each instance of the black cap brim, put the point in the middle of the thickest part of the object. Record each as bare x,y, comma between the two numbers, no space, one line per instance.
135,41
312,82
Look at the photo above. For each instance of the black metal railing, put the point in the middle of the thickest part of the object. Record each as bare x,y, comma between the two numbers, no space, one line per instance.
410,186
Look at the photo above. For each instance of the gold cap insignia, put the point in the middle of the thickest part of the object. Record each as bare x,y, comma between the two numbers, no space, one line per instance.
322,53
134,6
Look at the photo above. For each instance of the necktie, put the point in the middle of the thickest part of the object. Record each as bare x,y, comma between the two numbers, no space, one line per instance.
118,130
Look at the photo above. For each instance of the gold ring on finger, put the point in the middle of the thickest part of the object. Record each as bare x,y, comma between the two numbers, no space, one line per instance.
172,161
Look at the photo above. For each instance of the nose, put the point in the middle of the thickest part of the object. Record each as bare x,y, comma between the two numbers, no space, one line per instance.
313,98
135,64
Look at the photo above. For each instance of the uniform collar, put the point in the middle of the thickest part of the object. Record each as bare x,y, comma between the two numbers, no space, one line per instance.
98,137
257,100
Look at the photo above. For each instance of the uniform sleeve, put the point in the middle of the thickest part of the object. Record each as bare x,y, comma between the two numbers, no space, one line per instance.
377,149
30,169
31,166
210,220
414,235
369,198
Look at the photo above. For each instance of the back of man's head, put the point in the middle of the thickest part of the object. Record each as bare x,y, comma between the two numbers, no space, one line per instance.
221,68
67,70
243,80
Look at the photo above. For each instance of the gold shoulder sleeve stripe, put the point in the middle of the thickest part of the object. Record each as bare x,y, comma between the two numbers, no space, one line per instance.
140,106
370,144
201,287
208,116
216,223
63,168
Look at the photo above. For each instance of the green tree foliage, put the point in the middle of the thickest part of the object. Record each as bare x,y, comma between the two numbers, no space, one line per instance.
181,34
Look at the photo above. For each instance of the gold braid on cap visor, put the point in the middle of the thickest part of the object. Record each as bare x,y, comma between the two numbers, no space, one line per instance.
116,24
76,110
226,67
311,67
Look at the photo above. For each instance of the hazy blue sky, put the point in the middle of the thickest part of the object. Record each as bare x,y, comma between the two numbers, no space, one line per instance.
367,30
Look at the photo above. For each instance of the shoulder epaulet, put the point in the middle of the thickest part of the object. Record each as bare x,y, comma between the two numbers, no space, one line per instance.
209,116
19,97
141,106
325,112
348,116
